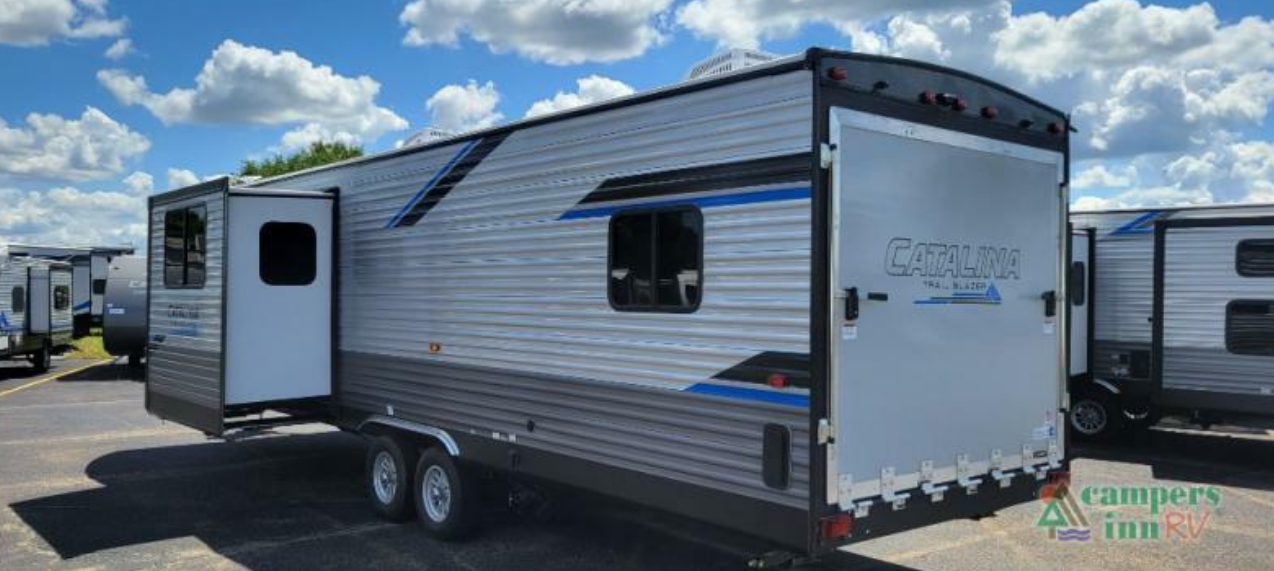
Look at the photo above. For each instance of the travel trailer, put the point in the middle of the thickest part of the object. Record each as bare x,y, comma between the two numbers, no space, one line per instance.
815,301
124,315
89,265
1182,316
35,308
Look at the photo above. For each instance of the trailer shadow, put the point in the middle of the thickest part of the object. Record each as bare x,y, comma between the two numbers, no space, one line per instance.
1230,458
295,502
117,370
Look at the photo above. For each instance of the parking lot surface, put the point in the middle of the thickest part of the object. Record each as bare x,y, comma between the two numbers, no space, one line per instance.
89,481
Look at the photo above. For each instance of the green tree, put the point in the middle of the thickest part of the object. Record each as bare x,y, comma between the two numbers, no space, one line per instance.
317,154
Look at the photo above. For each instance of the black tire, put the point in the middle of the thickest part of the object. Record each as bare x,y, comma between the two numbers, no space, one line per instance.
456,516
135,360
1095,416
42,359
388,478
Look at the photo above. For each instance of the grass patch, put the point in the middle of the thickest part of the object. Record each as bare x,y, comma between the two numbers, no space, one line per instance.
88,347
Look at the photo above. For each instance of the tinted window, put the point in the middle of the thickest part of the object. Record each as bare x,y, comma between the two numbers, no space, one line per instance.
99,286
287,253
61,297
656,260
19,301
1249,327
1255,258
185,248
1078,283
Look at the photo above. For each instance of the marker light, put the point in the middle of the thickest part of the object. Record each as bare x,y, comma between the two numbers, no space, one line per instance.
837,74
928,97
990,112
836,527
776,380
1055,128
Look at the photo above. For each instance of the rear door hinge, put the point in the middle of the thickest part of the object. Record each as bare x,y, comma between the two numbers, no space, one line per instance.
825,434
826,155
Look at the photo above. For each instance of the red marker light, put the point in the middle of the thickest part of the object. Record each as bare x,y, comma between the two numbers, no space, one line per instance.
959,104
1055,128
837,74
776,380
836,527
928,97
990,112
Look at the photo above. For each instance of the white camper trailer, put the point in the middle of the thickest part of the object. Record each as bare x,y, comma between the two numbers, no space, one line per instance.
814,301
89,268
35,308
1182,316
124,314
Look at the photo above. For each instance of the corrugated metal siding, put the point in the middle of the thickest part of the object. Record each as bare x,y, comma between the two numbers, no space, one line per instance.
61,318
187,364
1200,279
13,273
499,282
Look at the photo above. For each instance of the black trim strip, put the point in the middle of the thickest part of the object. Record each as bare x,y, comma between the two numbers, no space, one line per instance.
740,174
759,367
458,172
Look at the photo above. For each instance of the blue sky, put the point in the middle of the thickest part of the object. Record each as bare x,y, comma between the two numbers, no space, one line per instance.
1171,99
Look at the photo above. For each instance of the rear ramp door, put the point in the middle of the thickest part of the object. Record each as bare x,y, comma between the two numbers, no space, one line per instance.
947,338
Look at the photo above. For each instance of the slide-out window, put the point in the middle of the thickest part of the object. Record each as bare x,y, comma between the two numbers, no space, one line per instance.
656,260
1249,327
19,301
99,286
61,297
288,252
185,247
1078,283
1255,258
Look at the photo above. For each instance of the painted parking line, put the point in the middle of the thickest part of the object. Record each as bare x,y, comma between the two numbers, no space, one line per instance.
53,377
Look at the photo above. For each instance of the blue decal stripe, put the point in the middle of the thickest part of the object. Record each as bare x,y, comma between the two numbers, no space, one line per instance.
774,195
84,305
432,181
1137,226
749,394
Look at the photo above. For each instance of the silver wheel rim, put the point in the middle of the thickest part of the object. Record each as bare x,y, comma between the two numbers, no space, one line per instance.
385,477
436,492
1088,417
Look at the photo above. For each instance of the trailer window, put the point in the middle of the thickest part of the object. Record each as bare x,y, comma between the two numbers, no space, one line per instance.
19,301
656,260
1249,327
287,253
99,286
1255,258
61,297
185,247
1078,283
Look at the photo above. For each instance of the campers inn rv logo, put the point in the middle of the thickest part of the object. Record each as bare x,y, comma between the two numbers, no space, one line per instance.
1127,513
964,274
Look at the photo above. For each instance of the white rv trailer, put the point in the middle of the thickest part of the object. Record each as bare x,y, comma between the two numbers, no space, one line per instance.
35,308
1182,316
814,301
89,276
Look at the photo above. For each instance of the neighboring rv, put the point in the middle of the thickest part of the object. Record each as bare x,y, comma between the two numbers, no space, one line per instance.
35,308
1182,316
124,318
815,301
89,282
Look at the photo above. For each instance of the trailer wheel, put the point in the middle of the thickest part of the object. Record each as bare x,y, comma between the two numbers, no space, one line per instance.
1095,416
135,360
389,478
42,359
446,496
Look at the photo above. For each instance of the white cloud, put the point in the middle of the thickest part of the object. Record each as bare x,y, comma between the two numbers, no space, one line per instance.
559,32
1098,176
460,108
139,183
591,89
248,85
178,178
52,147
118,50
1145,198
38,22
68,215
744,23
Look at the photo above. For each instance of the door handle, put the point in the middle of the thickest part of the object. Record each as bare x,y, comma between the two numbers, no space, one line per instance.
1050,303
851,304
